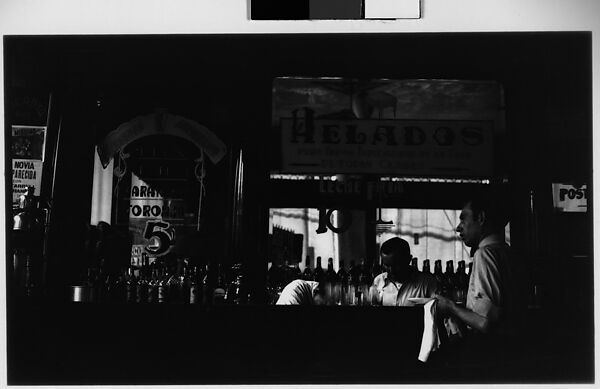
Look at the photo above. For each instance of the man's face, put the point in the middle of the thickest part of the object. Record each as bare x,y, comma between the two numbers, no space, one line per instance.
396,265
469,228
319,299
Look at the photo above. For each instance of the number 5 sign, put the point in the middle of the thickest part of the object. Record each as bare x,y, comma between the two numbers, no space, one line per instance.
160,236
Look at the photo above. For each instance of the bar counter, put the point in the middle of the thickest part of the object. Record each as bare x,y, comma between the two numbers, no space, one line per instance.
108,344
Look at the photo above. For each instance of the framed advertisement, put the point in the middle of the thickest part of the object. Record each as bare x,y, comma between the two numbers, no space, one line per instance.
27,153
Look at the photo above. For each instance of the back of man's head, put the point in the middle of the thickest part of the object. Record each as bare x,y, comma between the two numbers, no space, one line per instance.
496,215
396,246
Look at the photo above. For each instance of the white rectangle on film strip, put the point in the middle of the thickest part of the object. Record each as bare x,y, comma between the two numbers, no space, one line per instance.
392,9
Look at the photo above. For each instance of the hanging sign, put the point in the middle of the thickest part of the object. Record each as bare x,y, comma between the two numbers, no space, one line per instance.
437,148
27,152
569,198
152,220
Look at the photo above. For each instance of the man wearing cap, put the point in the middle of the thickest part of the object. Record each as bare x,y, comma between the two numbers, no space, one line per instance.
301,292
399,282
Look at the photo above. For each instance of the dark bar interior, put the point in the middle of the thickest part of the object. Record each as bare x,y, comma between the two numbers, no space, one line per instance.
167,155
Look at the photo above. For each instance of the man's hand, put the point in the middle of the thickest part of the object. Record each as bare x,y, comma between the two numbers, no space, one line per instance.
447,307
444,305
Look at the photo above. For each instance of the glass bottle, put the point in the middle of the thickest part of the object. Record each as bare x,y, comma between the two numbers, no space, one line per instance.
178,292
153,285
319,274
142,284
307,275
414,263
365,282
163,285
194,282
331,295
330,274
342,285
426,266
439,276
295,273
237,293
218,295
206,287
462,283
351,282
450,280
130,285
101,285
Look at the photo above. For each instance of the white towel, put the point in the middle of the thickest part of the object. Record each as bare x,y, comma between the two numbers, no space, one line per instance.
431,338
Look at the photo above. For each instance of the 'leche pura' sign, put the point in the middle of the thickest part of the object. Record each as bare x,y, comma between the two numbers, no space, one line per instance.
433,148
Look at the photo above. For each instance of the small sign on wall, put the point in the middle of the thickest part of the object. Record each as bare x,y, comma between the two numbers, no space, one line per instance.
569,198
27,152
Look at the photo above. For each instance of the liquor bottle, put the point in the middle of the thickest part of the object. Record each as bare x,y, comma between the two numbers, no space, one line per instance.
194,282
362,289
236,291
109,287
218,295
307,275
351,286
101,283
130,285
183,280
414,263
206,286
426,267
374,293
295,273
275,276
355,271
342,274
439,276
274,283
331,275
319,274
89,283
143,280
178,292
450,280
366,273
153,285
462,282
341,285
163,285
331,282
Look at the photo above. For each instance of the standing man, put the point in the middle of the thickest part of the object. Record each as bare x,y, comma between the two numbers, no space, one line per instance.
489,297
400,281
489,309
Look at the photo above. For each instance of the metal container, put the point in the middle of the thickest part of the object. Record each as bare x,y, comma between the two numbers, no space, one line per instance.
80,294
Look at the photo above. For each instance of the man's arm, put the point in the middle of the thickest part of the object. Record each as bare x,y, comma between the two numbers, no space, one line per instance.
470,318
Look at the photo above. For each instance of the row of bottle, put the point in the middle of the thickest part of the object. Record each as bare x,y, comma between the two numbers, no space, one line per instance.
158,283
354,287
453,284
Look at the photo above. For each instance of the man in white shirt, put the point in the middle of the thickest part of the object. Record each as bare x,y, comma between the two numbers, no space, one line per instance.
489,298
399,282
490,309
